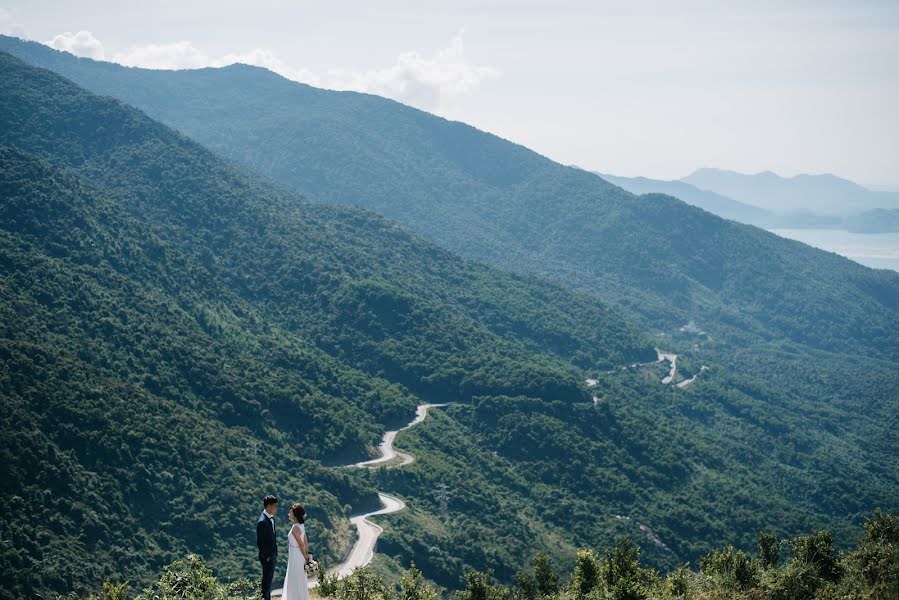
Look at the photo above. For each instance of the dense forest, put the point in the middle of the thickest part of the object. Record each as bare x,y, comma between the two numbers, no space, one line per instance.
679,472
157,372
181,336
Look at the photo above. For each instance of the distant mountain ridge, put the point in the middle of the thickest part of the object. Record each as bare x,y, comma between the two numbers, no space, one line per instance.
825,194
712,202
877,220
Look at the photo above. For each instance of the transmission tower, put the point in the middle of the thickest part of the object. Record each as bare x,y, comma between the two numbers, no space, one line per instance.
443,494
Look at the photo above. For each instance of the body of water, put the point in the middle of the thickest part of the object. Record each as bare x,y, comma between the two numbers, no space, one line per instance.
878,250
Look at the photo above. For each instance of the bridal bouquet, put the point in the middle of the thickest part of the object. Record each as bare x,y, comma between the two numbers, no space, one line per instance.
311,566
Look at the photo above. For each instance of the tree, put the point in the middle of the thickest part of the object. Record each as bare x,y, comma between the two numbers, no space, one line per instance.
586,573
545,576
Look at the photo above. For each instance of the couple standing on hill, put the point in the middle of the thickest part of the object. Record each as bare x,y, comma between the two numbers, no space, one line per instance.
296,585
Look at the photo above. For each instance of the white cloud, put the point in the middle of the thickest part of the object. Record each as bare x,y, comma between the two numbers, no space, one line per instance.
82,43
426,82
184,55
178,55
421,81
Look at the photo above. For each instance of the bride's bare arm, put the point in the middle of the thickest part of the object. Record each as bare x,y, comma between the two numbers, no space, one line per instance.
301,541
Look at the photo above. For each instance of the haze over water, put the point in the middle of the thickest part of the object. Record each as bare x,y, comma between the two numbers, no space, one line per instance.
877,250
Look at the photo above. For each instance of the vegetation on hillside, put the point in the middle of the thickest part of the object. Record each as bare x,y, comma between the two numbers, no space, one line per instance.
180,337
677,471
177,341
656,258
807,567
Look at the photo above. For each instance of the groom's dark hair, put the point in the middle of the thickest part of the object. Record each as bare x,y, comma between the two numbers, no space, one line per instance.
269,500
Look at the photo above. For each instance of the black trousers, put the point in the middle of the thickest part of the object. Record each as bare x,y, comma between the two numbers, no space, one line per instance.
268,572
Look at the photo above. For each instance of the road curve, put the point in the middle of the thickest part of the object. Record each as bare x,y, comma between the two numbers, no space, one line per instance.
672,359
662,357
386,450
363,549
687,382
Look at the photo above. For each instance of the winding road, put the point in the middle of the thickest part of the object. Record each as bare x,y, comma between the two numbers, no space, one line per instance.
386,449
687,382
662,357
671,358
363,549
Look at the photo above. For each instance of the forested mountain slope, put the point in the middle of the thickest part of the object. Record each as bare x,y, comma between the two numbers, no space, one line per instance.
180,336
178,339
658,259
717,204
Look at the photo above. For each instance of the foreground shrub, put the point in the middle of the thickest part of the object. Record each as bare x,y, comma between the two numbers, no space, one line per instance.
731,569
620,575
814,571
872,569
191,579
817,550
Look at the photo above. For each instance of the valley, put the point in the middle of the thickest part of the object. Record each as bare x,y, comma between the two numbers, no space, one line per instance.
184,332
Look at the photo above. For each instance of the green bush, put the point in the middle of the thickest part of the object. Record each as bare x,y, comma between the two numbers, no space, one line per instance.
817,550
412,586
111,591
481,587
586,574
187,579
874,565
769,549
732,569
546,577
679,582
363,584
620,575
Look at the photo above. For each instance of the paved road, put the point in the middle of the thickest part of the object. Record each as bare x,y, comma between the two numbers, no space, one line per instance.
363,549
687,382
662,357
671,358
386,450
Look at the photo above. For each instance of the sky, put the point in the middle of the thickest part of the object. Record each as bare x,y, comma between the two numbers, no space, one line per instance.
656,88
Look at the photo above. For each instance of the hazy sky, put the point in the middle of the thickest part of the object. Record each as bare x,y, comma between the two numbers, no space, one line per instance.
655,88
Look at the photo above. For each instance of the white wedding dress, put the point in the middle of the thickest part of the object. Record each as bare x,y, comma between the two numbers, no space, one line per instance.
296,586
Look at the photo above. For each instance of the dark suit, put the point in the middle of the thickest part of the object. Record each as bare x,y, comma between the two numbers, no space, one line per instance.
268,552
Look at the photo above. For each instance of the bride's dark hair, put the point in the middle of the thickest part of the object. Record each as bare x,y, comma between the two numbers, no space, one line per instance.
299,512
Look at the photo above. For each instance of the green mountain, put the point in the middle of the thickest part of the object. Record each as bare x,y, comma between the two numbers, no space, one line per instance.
181,336
654,258
717,204
167,319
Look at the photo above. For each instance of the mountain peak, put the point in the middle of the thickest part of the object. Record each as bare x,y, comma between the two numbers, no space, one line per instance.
823,193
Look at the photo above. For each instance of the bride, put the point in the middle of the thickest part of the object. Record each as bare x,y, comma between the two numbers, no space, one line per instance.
296,586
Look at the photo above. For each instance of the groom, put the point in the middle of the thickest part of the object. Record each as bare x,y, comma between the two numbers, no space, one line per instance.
268,545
